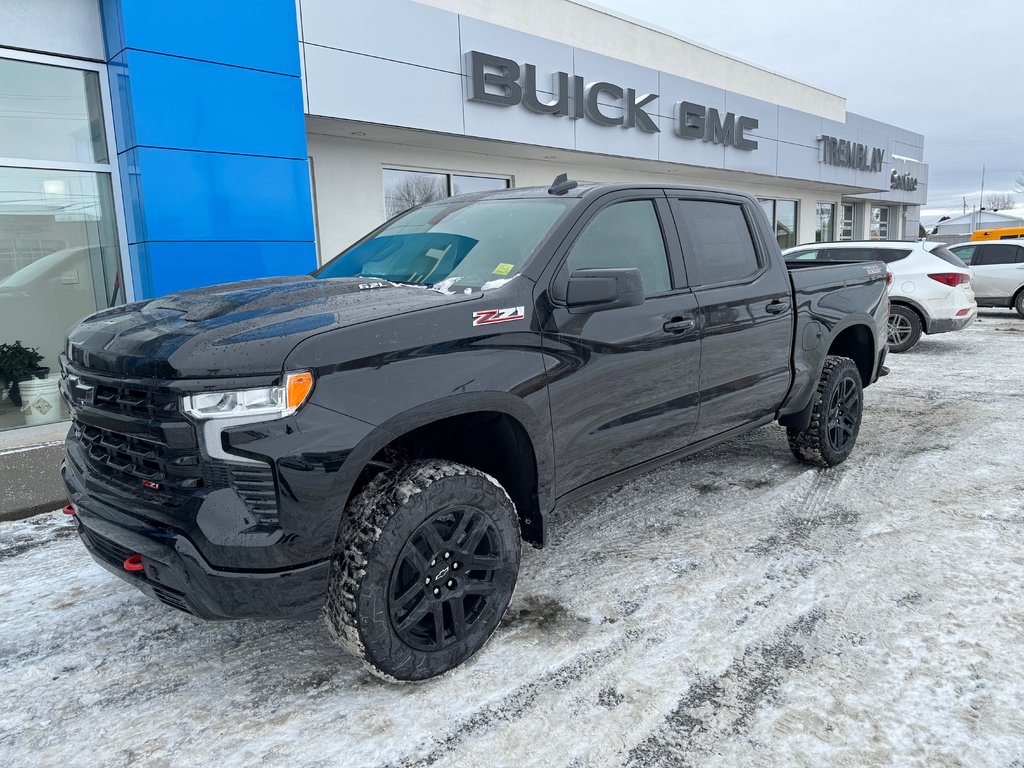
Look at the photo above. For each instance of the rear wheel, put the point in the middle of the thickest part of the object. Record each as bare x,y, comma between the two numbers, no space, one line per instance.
1018,303
904,328
835,418
425,567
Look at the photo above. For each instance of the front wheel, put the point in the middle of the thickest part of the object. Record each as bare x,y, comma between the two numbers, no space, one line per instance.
904,328
1018,303
425,566
835,418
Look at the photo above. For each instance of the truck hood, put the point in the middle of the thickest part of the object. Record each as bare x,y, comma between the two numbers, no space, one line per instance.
237,329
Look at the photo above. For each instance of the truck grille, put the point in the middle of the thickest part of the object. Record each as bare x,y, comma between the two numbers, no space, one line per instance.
110,551
138,444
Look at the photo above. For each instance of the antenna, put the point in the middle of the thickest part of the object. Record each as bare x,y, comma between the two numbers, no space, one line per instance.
562,184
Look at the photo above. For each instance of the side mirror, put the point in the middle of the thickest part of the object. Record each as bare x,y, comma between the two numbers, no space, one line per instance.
595,290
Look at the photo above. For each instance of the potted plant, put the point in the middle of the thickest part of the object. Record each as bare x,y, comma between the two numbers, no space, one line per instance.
19,363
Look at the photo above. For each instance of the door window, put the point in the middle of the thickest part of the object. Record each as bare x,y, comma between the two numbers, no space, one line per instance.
624,235
997,254
719,240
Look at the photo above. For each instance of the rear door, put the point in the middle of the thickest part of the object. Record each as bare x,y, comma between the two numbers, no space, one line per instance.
745,312
623,383
998,270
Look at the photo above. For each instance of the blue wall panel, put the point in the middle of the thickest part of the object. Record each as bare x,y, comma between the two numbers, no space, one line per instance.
212,196
187,104
259,34
175,265
211,139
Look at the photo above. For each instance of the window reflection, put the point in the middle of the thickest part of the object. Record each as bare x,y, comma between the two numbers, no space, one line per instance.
59,262
406,189
50,113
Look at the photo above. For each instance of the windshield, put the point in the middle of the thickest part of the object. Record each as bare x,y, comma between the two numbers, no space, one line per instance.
479,244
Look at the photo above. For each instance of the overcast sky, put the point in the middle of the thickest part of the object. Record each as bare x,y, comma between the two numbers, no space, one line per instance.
953,71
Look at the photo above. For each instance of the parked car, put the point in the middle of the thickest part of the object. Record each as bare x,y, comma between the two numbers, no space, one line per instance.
998,272
931,288
373,440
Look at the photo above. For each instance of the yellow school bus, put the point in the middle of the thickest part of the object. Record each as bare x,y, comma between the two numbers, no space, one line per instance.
1003,233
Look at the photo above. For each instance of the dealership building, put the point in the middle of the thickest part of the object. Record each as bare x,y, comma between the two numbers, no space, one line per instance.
150,147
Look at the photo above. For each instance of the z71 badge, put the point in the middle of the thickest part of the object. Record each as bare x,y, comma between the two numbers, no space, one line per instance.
492,316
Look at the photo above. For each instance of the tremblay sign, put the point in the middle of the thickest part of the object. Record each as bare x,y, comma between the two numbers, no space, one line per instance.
850,154
502,82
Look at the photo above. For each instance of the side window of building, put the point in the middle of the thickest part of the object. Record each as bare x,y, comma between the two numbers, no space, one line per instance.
719,241
997,254
624,235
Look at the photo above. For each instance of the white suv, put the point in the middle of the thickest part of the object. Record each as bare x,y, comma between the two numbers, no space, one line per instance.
931,288
998,268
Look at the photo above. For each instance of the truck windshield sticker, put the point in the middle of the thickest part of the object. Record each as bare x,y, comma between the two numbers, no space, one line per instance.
503,268
491,316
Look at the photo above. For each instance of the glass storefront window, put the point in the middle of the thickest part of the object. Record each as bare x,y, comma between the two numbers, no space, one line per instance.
783,216
59,254
50,113
879,222
406,189
825,222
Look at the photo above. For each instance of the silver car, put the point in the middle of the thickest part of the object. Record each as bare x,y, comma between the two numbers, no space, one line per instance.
998,271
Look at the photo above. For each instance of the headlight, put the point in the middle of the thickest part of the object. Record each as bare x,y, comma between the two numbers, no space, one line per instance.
271,402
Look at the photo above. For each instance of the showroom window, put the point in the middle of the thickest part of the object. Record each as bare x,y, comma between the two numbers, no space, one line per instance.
846,233
824,222
60,258
404,189
783,216
879,222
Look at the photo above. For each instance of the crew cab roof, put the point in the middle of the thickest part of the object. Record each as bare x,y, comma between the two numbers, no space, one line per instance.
582,189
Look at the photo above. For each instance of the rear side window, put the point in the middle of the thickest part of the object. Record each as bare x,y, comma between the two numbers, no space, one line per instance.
719,241
851,254
804,256
889,255
1001,253
946,255
964,253
625,235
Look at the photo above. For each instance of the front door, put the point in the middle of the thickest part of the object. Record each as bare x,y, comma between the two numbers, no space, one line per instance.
623,382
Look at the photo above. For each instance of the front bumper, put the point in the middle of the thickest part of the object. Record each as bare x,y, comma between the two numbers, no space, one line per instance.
175,573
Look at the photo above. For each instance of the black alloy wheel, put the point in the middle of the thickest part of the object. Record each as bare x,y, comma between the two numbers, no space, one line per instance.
844,411
425,565
836,413
445,576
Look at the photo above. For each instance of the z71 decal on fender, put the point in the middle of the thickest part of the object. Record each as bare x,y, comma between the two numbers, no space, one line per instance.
492,316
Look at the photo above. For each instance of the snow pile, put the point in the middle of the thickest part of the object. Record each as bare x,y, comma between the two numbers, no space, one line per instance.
735,608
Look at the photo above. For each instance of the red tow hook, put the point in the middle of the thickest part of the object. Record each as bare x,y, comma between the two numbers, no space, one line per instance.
70,510
133,563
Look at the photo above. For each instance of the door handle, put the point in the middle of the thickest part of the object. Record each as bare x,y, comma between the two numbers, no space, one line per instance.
777,307
679,325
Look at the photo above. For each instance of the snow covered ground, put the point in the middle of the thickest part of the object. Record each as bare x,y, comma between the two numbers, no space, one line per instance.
732,609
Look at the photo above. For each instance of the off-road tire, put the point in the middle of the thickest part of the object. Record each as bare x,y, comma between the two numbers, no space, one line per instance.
909,322
816,444
400,521
1018,303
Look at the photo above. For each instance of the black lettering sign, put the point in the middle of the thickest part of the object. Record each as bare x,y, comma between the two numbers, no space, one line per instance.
850,154
503,83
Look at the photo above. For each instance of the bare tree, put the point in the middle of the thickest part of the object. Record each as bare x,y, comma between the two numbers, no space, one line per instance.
999,200
1018,183
413,189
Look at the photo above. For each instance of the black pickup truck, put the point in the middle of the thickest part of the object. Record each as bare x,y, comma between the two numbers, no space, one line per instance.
373,441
